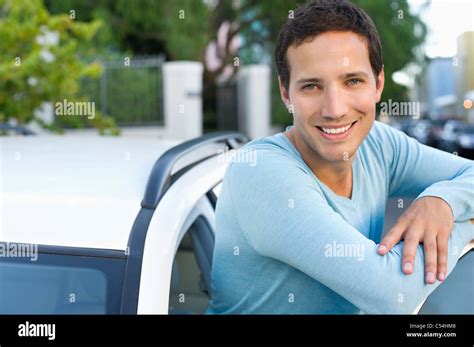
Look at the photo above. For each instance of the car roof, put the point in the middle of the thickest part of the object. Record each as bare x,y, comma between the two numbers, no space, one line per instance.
80,191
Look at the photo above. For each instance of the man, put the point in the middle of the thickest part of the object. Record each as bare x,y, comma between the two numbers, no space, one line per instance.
299,231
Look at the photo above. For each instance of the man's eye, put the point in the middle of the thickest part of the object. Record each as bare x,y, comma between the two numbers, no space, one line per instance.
310,86
354,81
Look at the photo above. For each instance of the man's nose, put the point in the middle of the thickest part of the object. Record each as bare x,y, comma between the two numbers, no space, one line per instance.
334,105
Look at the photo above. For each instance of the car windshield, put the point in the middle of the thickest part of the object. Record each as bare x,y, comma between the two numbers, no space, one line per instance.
60,284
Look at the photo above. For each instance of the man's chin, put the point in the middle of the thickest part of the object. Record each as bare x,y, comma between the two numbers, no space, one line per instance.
336,152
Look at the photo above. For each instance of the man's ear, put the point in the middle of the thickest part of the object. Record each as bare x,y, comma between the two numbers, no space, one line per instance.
285,96
379,84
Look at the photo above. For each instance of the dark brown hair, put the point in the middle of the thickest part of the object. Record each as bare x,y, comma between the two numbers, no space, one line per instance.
319,16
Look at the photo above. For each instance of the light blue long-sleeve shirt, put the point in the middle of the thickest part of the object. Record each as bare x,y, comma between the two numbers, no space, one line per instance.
286,243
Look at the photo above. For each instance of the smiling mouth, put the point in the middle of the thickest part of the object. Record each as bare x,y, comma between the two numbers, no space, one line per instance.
334,130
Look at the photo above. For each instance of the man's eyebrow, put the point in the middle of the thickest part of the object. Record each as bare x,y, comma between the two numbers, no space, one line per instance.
310,80
353,74
342,77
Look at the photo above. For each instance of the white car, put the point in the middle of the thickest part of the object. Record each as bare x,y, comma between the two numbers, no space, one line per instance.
119,225
94,225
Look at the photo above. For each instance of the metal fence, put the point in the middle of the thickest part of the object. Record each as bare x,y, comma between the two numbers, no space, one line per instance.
130,94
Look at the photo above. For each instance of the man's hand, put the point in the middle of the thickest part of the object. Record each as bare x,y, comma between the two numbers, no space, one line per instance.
428,220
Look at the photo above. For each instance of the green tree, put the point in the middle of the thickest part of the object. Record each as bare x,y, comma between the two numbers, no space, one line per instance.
40,61
178,28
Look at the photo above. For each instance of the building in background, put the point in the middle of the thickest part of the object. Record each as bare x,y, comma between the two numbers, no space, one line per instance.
465,74
440,88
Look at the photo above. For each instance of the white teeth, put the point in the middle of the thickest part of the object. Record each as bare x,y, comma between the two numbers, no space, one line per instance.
337,130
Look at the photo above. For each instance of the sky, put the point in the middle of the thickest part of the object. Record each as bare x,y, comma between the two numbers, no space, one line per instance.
446,20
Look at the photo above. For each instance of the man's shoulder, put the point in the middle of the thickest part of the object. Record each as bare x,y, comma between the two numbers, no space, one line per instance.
264,158
275,147
275,142
382,137
382,132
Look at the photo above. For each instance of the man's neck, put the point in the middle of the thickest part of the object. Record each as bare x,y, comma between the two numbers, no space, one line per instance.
336,175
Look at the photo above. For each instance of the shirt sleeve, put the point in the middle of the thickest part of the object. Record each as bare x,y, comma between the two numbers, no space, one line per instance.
284,216
417,170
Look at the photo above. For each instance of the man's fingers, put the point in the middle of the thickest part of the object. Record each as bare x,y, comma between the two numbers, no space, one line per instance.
410,246
442,246
430,250
392,237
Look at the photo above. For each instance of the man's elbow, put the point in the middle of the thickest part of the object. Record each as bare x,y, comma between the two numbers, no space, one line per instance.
396,292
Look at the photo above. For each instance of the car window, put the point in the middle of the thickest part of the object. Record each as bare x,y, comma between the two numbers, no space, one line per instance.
61,284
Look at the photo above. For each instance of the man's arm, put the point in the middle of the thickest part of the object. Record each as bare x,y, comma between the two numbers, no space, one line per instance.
285,217
443,186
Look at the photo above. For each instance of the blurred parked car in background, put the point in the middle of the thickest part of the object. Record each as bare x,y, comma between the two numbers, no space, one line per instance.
465,142
403,125
437,126
450,135
422,132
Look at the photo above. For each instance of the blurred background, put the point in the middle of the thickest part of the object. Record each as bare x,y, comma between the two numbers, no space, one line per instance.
178,69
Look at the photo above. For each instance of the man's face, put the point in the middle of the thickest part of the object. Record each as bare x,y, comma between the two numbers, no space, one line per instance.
332,86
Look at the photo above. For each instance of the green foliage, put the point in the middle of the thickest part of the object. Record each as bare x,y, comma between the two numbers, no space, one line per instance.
178,28
40,61
187,37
